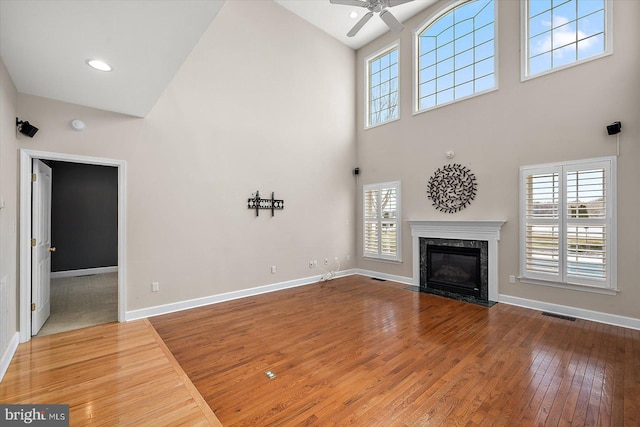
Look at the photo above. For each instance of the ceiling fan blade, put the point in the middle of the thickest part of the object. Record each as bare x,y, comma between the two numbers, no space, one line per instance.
357,3
359,24
391,21
397,2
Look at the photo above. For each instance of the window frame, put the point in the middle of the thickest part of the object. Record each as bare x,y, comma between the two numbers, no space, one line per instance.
561,280
367,79
416,56
379,256
524,42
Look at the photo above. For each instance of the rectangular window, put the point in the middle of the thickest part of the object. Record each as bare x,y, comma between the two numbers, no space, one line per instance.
381,211
561,33
567,223
382,87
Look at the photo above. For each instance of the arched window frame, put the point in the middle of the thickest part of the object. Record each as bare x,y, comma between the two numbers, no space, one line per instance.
416,56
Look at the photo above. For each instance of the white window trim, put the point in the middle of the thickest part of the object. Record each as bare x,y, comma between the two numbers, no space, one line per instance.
389,47
524,42
380,257
416,53
611,193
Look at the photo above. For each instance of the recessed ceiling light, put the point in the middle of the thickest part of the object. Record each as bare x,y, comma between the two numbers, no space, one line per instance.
353,14
99,65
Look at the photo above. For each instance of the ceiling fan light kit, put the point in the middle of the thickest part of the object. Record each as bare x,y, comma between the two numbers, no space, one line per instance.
375,6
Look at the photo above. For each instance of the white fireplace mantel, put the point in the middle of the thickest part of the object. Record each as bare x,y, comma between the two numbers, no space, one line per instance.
488,231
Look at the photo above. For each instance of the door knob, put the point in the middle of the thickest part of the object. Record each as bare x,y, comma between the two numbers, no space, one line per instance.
52,249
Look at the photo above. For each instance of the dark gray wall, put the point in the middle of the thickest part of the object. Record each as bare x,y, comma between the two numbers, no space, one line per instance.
84,216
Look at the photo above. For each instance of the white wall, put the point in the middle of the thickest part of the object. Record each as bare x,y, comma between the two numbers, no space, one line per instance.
8,214
561,116
253,108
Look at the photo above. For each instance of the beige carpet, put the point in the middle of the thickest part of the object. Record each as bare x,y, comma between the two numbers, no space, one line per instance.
79,302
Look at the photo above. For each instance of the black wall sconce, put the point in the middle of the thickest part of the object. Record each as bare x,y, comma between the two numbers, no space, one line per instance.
26,128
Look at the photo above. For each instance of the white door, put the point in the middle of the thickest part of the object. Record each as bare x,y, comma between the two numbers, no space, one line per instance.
40,245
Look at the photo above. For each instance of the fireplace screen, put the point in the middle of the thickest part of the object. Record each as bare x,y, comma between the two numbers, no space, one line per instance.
454,269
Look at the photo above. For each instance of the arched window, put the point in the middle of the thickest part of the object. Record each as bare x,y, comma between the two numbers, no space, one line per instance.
456,54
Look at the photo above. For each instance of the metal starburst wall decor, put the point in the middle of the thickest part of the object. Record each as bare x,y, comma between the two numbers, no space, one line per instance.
451,188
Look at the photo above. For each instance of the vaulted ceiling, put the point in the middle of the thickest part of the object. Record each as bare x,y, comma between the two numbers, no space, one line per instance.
45,44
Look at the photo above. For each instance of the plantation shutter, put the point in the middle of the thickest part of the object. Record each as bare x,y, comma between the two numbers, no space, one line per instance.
542,230
371,222
567,213
586,225
381,221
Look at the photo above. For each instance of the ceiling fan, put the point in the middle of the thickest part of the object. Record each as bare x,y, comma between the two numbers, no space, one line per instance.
378,6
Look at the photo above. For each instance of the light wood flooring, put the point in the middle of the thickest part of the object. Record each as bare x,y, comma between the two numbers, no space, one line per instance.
354,351
114,374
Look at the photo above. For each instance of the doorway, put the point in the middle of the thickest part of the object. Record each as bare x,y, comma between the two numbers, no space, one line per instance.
26,211
84,247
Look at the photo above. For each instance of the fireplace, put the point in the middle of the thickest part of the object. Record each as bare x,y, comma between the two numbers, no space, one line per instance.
467,238
454,269
457,267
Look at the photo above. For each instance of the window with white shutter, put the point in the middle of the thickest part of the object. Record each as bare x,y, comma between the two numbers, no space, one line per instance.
568,223
381,211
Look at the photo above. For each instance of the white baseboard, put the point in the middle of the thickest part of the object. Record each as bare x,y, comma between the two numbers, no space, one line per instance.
392,277
228,296
5,360
84,272
611,319
595,316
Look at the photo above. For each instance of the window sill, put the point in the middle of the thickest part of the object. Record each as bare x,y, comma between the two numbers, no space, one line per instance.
382,123
391,261
454,101
570,286
525,77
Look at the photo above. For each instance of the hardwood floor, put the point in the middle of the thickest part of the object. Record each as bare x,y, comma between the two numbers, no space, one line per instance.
356,351
113,374
349,351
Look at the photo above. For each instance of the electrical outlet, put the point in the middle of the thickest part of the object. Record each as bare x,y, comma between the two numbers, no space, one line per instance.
315,262
155,286
348,257
311,264
326,261
336,260
273,269
512,279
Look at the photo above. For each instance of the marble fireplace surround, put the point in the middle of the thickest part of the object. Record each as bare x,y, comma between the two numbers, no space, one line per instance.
488,231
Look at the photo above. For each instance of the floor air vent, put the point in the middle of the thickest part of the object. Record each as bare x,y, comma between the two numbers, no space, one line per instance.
559,316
